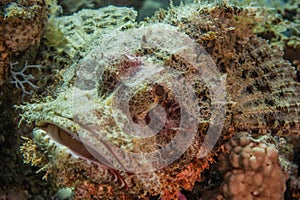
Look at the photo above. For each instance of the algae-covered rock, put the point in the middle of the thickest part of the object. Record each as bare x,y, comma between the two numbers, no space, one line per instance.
22,25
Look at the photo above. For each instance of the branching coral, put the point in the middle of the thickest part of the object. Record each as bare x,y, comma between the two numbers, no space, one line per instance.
20,79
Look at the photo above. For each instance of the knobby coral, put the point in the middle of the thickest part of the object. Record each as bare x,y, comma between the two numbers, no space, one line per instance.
252,169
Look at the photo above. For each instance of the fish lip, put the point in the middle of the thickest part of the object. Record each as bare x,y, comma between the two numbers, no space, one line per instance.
87,155
73,143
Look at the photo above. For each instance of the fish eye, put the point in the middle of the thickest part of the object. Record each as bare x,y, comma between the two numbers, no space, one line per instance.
159,90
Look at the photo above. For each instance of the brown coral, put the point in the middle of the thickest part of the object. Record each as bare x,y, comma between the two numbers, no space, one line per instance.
21,28
252,169
23,24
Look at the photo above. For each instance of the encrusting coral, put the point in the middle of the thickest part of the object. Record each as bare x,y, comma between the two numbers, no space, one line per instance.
21,27
24,25
144,78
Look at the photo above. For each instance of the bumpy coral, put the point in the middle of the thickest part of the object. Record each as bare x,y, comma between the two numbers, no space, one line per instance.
4,59
24,25
290,149
252,169
21,27
156,79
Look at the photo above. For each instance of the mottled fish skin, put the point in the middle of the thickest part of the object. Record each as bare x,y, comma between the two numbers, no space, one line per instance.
262,97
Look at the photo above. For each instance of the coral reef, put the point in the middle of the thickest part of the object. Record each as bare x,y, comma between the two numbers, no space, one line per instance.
17,36
290,148
21,24
132,79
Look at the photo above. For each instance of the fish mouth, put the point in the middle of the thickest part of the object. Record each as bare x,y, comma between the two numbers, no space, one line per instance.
73,142
79,148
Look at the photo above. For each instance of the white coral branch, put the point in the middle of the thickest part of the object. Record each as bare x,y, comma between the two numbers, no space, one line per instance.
20,78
